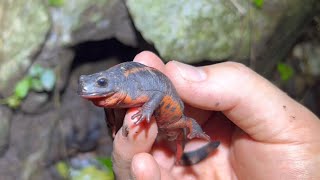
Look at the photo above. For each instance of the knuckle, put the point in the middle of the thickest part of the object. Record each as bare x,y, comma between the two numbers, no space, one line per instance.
237,70
236,66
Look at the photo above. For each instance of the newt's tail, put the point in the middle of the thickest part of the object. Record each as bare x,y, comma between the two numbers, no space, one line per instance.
193,157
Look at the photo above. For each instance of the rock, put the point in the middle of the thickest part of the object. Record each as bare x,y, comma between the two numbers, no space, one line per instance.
79,21
5,119
288,20
82,126
24,25
35,102
308,54
83,20
60,60
26,36
192,31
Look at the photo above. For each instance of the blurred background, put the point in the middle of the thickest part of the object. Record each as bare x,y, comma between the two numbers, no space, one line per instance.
48,132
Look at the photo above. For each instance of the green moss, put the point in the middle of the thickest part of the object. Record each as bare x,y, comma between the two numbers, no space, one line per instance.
56,3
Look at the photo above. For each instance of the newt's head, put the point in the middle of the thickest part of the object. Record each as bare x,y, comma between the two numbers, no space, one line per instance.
100,85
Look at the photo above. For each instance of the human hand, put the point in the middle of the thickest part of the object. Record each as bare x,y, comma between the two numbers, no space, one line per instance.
264,133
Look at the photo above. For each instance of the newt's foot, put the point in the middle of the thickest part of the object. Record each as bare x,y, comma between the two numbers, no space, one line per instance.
195,131
197,134
142,114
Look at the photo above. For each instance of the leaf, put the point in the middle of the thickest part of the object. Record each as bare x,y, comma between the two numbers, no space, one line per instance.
13,101
258,3
56,3
22,88
105,161
48,79
62,169
92,173
286,72
36,70
36,85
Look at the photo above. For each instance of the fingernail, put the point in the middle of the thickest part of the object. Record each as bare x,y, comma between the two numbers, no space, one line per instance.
190,73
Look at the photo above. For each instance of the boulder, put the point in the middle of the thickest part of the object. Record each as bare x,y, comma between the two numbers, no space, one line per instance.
192,31
24,25
5,119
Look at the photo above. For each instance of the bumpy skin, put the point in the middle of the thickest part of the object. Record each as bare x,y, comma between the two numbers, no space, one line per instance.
132,84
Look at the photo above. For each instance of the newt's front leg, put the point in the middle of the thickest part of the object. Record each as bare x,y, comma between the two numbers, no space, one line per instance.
147,109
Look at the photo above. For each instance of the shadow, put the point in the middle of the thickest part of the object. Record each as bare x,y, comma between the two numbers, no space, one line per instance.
93,51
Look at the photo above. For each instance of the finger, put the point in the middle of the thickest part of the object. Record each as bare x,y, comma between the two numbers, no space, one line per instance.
250,101
145,167
150,59
130,140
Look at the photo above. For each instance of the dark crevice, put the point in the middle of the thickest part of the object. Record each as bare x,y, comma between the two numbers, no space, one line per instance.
93,51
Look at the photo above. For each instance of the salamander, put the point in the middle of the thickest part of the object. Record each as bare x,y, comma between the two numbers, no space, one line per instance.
132,84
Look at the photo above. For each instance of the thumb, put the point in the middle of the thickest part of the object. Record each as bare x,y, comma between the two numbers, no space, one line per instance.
247,99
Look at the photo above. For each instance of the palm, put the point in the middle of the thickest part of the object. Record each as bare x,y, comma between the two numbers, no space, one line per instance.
237,156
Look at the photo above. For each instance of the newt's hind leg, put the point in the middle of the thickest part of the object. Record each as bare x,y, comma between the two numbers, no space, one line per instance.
193,127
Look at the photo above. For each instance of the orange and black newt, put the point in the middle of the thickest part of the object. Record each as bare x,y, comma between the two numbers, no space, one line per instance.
132,84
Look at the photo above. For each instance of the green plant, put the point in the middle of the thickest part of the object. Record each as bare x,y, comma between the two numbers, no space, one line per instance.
258,3
63,169
105,161
93,173
56,3
38,79
285,71
88,172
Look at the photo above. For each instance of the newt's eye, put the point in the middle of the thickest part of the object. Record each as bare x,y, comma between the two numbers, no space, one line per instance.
102,82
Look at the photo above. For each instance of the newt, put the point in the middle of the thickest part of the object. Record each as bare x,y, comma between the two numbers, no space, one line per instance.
132,84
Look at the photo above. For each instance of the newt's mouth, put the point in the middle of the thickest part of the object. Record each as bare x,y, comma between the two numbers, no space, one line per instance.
95,95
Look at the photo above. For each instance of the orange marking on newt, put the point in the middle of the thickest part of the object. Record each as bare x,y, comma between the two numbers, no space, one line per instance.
110,101
171,105
139,100
169,109
135,70
132,71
